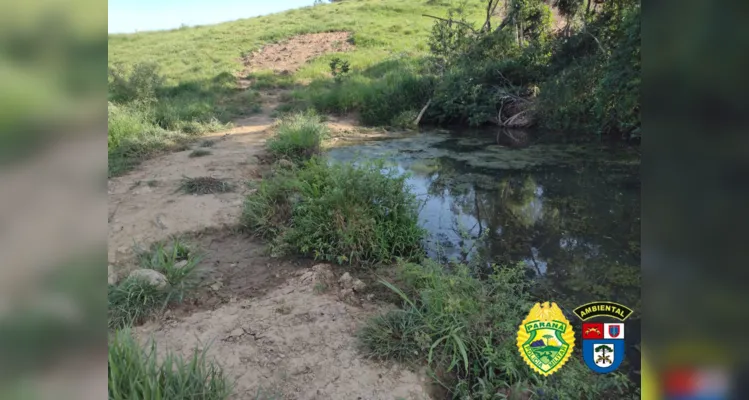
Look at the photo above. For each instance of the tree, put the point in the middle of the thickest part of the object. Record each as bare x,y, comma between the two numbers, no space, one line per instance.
603,357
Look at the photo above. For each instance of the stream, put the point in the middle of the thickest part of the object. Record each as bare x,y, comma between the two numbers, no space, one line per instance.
569,212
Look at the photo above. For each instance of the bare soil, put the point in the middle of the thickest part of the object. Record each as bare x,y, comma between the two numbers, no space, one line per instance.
293,343
288,56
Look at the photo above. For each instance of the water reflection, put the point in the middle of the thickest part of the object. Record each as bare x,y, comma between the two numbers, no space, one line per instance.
570,214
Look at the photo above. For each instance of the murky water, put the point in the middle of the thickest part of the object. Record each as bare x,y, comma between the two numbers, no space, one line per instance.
570,213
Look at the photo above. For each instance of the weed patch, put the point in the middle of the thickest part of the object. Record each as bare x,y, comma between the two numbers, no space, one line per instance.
298,136
465,329
200,153
137,373
339,213
205,185
134,300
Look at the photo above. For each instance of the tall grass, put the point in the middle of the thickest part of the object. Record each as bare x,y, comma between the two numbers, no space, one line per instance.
134,300
137,373
298,136
465,329
339,213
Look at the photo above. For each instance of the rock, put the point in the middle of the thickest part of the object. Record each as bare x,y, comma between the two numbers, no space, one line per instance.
236,333
216,286
347,296
322,273
111,275
359,286
181,264
346,281
153,278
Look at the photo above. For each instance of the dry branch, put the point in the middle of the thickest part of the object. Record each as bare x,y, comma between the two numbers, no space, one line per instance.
421,113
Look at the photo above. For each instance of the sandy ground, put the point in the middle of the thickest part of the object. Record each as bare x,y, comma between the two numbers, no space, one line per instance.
265,320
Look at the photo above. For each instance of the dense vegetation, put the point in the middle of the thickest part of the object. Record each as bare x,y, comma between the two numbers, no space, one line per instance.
583,77
341,213
465,329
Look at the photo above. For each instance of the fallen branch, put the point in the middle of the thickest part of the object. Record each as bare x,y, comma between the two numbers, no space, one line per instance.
512,119
421,113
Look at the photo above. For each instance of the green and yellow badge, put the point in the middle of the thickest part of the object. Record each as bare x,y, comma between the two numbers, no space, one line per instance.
545,338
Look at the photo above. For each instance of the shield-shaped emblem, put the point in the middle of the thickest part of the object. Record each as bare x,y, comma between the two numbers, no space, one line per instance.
603,346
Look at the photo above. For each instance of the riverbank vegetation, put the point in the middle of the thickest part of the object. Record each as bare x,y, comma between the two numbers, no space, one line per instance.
464,329
570,65
335,212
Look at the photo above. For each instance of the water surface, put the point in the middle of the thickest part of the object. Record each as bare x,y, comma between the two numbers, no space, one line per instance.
570,213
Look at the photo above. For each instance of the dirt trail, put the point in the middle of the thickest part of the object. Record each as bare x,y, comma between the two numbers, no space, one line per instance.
293,344
263,318
146,205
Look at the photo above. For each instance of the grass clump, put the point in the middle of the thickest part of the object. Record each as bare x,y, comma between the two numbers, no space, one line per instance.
199,153
133,300
298,136
465,329
205,185
137,373
339,213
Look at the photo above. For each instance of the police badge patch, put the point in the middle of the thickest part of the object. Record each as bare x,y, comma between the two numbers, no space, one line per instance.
545,338
603,343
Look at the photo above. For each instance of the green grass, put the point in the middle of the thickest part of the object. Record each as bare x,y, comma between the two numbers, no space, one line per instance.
137,373
298,137
205,185
132,301
338,213
199,54
464,328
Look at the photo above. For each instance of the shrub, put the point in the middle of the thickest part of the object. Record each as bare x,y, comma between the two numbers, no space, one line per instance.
298,136
466,327
136,373
138,83
339,213
133,300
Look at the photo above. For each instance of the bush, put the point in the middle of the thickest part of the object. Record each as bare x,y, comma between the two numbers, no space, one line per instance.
134,300
298,136
339,213
466,328
135,373
138,83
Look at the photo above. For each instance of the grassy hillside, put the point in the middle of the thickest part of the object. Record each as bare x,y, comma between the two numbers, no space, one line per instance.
166,86
198,54
192,88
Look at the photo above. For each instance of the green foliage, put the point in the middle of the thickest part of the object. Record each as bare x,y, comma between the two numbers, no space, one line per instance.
134,300
298,136
467,327
339,69
137,373
139,83
144,119
339,213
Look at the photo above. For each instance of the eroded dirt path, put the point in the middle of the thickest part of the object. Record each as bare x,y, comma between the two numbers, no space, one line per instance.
266,320
147,206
